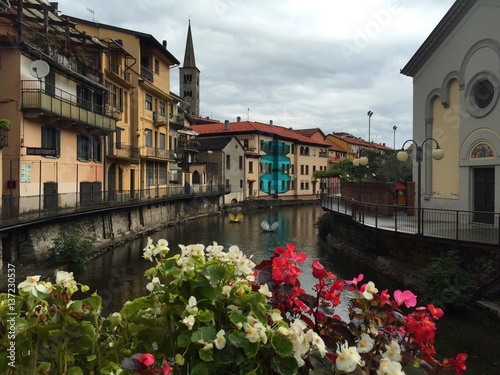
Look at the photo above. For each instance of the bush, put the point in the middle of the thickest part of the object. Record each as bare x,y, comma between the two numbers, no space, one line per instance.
447,283
71,248
324,226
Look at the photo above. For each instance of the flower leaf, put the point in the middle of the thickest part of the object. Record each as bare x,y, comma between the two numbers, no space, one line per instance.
216,272
206,355
282,345
285,366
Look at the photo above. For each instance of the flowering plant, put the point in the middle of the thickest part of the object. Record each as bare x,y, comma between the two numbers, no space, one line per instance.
375,337
211,311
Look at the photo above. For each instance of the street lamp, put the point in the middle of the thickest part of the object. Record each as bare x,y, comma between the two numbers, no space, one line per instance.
370,113
437,154
359,162
394,128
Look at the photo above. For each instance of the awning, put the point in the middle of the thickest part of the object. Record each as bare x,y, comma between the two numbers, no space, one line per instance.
187,131
251,179
400,186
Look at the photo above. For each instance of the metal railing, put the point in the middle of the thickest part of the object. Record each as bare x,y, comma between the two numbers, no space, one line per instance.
20,210
450,224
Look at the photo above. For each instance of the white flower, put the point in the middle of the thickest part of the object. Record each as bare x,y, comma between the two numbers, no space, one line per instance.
370,290
387,367
276,316
393,352
317,341
189,322
161,246
30,285
264,290
215,251
150,286
191,306
220,341
348,358
65,279
226,290
365,344
256,332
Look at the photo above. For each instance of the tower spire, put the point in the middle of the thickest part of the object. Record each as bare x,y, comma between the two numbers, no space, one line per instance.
189,60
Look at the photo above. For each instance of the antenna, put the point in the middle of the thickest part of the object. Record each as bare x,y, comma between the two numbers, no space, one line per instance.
91,11
39,69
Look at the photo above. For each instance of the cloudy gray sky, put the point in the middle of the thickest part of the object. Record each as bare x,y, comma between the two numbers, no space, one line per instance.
301,63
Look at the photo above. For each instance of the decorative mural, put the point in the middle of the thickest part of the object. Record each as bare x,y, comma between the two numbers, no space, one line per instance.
275,163
482,150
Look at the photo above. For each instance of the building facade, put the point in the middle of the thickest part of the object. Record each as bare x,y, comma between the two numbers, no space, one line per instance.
456,76
53,93
279,162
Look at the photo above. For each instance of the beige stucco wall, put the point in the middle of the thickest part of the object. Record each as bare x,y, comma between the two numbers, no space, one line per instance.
445,178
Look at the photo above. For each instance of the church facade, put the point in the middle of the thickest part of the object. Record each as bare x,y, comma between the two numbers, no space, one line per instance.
456,76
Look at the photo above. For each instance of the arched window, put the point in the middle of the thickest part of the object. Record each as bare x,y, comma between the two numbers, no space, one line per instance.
196,177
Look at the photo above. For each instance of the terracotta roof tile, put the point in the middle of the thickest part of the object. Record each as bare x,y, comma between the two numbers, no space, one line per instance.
255,127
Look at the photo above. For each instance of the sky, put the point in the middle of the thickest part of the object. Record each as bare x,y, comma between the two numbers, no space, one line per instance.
300,63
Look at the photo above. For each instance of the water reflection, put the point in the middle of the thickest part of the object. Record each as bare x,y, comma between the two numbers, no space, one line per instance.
119,275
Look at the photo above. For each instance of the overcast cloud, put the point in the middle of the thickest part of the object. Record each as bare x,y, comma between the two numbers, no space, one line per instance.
301,63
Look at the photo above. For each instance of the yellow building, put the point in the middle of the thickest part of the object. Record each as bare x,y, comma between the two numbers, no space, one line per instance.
53,93
148,110
279,161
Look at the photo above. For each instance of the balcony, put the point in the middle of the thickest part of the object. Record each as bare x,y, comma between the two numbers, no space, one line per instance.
124,152
157,153
52,105
323,154
160,120
147,74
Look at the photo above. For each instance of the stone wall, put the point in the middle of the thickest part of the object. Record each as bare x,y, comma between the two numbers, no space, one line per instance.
30,243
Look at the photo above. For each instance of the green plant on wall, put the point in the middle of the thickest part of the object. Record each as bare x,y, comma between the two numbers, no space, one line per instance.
5,124
71,248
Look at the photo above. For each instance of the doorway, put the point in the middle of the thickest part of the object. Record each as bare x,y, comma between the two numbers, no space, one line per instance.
484,195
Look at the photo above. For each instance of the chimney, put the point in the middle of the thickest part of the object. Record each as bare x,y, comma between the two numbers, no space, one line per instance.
238,119
53,4
271,122
164,44
226,125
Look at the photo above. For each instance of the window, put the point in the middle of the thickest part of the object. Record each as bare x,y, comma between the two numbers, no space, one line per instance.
149,102
227,183
228,161
51,138
50,83
245,143
97,150
241,184
162,141
307,169
250,167
301,169
241,163
118,138
162,173
149,173
149,138
262,145
161,108
84,148
84,97
157,66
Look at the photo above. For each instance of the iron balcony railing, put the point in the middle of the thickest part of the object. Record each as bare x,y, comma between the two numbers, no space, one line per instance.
20,210
40,95
159,153
120,150
451,224
146,73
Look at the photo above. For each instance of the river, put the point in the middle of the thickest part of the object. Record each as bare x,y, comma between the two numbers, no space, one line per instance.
118,276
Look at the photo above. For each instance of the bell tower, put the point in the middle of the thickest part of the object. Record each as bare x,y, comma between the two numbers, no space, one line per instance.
189,79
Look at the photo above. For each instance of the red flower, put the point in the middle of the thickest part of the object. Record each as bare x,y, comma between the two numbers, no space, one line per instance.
459,363
406,297
436,312
319,271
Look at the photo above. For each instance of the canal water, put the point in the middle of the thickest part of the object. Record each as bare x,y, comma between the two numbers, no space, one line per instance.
118,276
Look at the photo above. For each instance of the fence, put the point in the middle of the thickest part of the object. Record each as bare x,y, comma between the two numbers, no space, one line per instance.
18,210
450,224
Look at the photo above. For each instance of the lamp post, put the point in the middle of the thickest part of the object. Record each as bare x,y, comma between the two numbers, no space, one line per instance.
394,128
370,113
437,154
359,162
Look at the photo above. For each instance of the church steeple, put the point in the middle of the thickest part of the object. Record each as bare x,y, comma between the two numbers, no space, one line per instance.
189,79
189,60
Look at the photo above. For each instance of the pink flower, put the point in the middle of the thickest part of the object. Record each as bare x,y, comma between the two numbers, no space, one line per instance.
356,280
147,359
406,297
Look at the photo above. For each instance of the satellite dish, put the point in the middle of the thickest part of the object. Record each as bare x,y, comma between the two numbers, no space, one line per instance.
39,69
